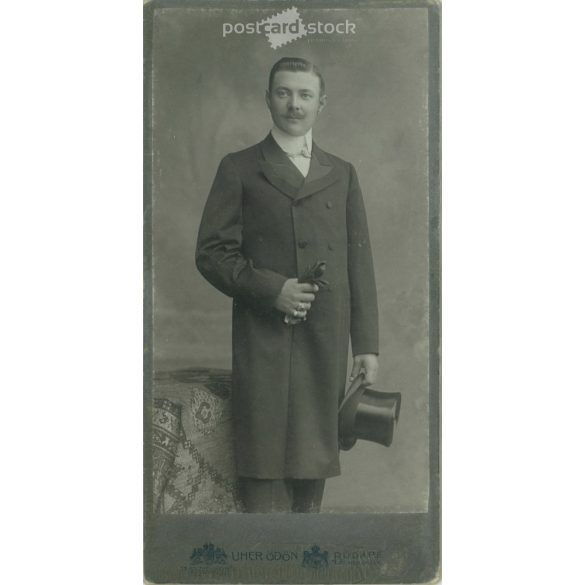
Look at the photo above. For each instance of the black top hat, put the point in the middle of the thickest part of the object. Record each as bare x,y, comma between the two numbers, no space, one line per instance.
367,414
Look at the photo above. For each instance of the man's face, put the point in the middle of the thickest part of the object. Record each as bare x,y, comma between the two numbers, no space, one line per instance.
294,101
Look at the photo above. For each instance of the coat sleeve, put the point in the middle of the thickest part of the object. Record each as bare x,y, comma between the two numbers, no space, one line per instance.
219,255
364,302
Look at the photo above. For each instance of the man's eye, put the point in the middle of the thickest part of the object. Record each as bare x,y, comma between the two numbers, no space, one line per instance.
306,96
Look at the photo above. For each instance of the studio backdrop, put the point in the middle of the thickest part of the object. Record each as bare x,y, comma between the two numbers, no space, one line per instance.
208,100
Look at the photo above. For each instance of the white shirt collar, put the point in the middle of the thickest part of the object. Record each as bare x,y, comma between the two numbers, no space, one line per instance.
292,144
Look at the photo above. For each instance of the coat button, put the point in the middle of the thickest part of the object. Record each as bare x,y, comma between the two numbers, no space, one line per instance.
329,205
303,244
330,246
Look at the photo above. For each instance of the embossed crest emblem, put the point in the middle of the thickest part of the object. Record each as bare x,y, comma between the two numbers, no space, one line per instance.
208,554
315,558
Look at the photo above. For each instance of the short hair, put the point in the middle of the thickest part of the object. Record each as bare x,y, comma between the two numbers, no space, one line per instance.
295,64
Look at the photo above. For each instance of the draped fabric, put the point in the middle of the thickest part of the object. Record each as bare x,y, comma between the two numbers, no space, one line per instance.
194,467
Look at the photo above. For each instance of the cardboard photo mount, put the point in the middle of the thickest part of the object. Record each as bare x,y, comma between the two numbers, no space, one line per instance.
205,70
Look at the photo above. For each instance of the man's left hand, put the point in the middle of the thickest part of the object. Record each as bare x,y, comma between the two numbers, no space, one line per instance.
366,363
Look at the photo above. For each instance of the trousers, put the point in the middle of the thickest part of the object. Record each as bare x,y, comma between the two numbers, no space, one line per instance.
281,495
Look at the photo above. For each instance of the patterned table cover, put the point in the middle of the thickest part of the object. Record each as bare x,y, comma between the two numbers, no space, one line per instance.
193,453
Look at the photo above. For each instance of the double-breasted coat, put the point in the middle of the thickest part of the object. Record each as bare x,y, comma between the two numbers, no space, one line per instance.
264,223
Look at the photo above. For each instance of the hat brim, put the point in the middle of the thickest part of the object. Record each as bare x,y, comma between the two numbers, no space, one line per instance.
347,413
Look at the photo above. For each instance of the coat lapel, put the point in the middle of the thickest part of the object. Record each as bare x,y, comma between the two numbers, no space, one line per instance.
278,169
282,173
322,173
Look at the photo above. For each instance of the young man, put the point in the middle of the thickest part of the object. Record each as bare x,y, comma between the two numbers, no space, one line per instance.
274,210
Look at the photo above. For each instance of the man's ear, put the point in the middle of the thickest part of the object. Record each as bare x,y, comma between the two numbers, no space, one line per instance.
322,102
267,98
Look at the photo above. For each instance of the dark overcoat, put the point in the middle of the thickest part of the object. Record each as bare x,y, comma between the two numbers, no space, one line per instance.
264,223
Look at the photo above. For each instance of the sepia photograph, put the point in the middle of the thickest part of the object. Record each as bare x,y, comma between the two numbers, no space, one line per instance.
322,349
292,292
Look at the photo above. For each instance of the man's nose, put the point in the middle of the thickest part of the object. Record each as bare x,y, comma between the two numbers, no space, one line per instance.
293,102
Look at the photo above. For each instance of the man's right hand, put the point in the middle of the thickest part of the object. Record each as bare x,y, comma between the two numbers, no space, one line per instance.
295,298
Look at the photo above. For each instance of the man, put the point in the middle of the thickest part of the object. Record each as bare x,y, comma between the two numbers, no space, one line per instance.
274,210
